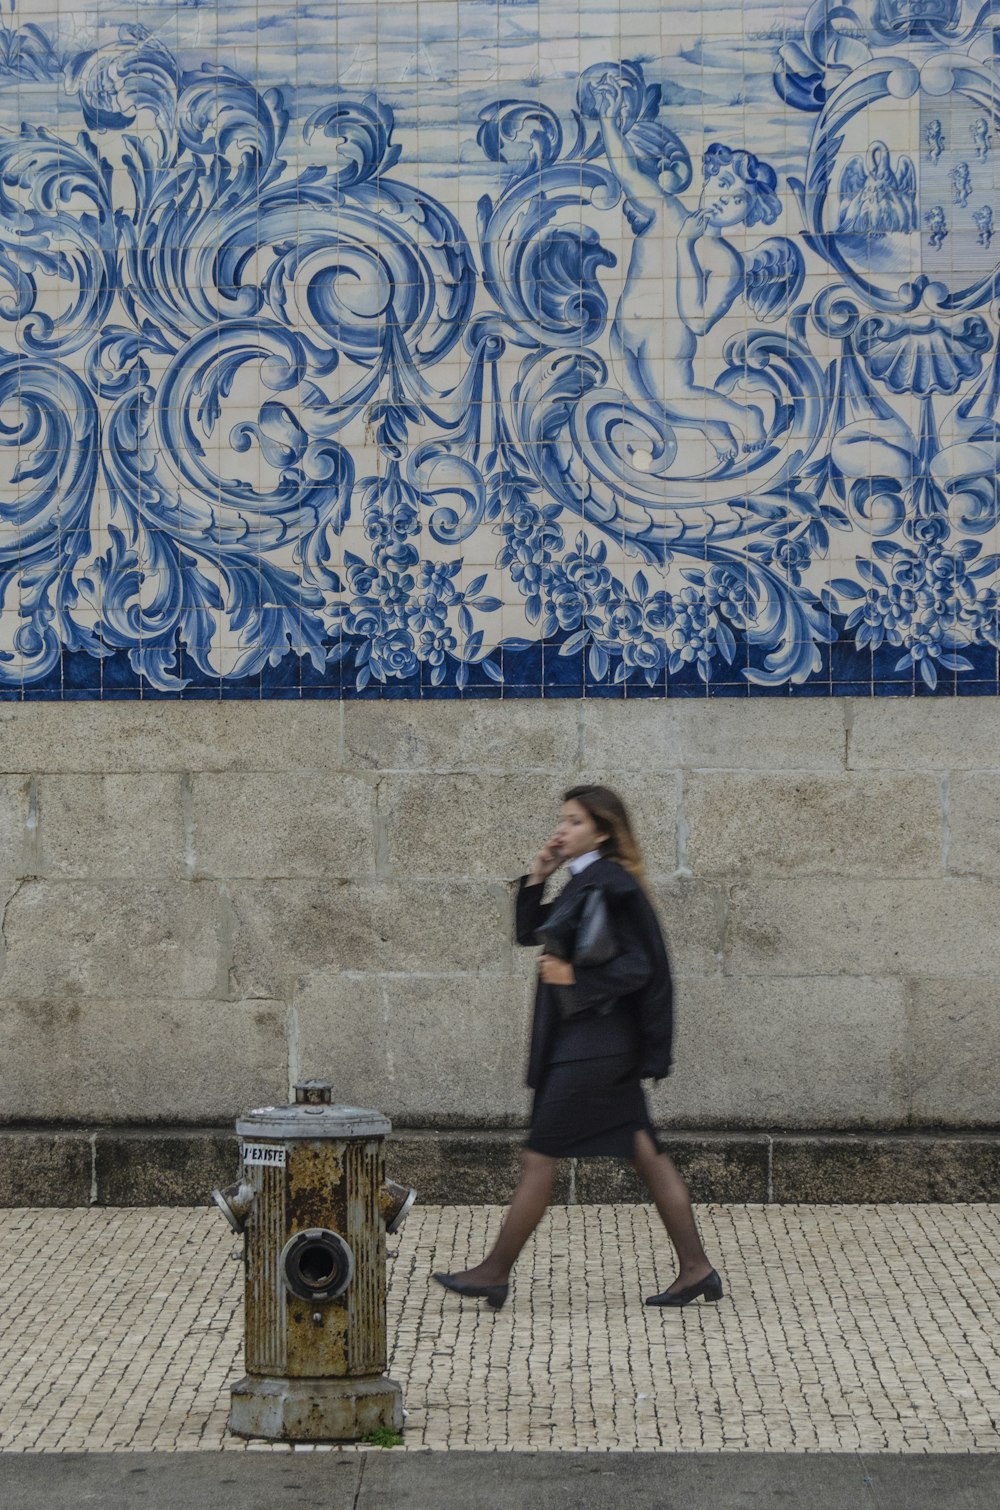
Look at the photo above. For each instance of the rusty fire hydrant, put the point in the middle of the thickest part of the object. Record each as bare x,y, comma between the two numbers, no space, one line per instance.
314,1206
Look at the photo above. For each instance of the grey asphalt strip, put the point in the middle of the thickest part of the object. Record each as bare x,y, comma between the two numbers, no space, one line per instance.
499,1481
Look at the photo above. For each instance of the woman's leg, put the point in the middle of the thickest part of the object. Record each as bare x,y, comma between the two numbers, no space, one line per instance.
527,1207
670,1195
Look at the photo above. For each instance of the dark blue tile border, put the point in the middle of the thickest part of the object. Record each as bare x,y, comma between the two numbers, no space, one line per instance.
534,671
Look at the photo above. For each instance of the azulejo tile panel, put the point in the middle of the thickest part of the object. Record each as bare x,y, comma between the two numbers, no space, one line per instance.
498,348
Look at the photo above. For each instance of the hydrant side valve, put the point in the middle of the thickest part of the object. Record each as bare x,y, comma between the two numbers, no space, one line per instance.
395,1202
235,1202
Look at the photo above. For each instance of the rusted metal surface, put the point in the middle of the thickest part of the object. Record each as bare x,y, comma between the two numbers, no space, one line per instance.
326,1183
364,1165
264,1291
316,1196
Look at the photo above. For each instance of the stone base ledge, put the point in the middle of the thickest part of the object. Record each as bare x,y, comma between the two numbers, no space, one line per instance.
178,1166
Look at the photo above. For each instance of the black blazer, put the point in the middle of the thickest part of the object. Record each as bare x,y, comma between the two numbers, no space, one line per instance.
638,976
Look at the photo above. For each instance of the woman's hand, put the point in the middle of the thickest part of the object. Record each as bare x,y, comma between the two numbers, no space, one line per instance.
548,860
556,972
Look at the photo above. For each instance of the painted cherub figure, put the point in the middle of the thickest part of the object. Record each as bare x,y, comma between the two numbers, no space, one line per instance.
934,136
935,218
684,276
983,220
961,183
980,133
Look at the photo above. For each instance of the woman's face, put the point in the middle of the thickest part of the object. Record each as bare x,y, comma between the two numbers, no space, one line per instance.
577,833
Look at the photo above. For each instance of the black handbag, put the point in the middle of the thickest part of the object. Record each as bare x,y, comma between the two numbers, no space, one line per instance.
579,930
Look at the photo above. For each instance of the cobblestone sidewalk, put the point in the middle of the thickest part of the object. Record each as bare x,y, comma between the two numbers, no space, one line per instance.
870,1328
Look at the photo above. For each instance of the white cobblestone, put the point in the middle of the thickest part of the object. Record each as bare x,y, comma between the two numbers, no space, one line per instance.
853,1328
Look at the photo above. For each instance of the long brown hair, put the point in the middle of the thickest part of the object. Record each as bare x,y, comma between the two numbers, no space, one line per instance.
609,812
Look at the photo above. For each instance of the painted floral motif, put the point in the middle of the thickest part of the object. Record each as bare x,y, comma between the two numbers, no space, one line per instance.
685,420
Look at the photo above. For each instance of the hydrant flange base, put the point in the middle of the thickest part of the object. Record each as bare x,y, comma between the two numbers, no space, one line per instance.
315,1410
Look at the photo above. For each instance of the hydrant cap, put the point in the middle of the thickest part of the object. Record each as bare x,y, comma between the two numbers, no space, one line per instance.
312,1120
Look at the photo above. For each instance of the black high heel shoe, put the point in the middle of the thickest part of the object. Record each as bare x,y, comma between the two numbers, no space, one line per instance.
494,1295
710,1287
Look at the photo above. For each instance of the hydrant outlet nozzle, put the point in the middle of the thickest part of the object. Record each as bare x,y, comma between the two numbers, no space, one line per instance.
395,1202
235,1203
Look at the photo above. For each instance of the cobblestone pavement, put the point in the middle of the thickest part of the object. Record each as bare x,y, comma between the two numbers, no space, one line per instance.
851,1328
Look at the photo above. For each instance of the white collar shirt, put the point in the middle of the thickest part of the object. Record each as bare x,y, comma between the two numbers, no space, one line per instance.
580,862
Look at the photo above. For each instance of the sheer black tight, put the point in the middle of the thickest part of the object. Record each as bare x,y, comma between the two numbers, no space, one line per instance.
534,1191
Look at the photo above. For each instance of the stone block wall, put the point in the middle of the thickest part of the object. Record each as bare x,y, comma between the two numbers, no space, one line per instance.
203,903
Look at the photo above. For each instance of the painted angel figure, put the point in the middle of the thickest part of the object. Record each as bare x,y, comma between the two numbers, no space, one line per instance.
875,197
935,218
983,220
684,276
961,183
980,133
934,137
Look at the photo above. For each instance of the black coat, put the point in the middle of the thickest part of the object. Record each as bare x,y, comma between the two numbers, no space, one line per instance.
638,976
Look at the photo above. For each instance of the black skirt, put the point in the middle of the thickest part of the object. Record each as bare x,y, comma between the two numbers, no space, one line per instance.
589,1108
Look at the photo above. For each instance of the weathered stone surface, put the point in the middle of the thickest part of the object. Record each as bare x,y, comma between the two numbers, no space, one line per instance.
284,929
818,897
165,736
17,855
762,734
924,734
844,825
462,825
308,823
644,736
954,1032
149,1167
813,1052
111,827
461,736
44,1167
164,1168
112,939
428,1050
139,1061
974,823
340,1033
852,1169
713,1167
730,734
884,927
457,1169
693,915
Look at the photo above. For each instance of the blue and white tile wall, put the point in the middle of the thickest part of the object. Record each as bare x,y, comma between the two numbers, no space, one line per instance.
498,348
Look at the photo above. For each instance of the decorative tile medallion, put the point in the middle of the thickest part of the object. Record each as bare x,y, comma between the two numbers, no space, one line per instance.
482,348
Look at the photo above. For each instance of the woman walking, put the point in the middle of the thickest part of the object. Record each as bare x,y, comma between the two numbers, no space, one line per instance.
598,1030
